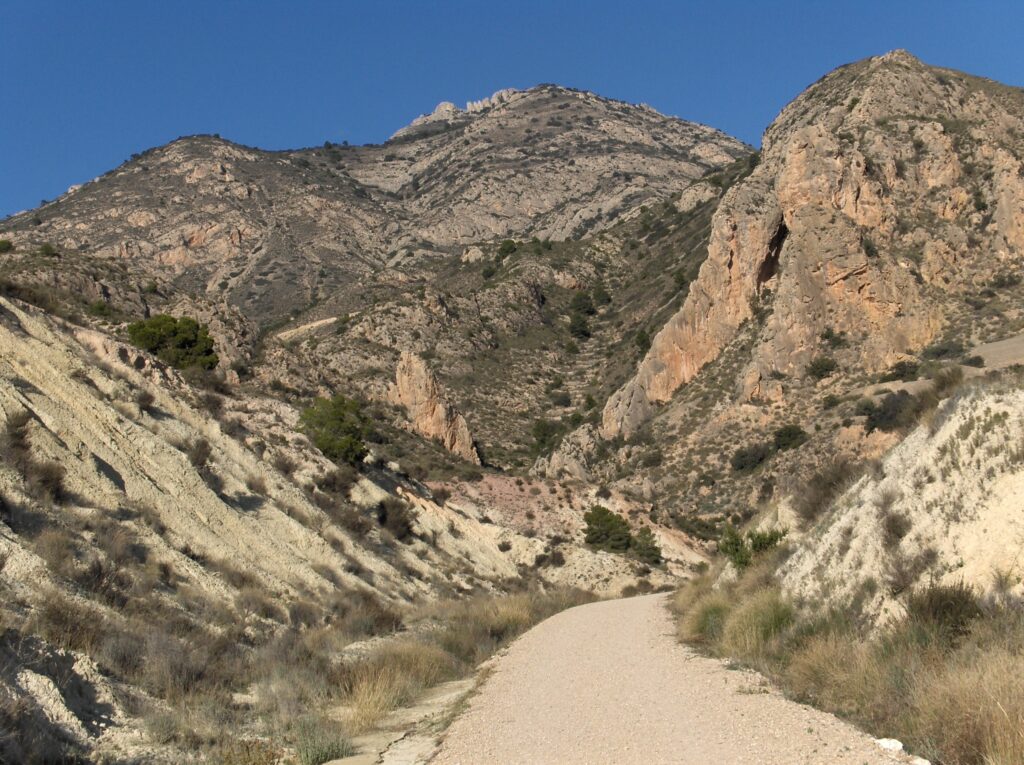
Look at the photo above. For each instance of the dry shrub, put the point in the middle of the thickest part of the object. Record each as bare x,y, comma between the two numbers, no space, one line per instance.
396,516
144,399
339,481
393,676
823,487
233,575
57,548
66,623
198,452
361,614
252,600
319,741
284,464
172,669
249,752
971,711
474,629
752,630
45,480
704,621
27,736
256,484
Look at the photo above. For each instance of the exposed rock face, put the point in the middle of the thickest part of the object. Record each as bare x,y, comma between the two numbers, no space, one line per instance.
572,458
432,416
885,189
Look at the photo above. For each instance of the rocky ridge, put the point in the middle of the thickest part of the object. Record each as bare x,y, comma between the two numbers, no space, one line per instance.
882,191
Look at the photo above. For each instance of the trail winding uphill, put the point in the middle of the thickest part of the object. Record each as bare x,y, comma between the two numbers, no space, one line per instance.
608,683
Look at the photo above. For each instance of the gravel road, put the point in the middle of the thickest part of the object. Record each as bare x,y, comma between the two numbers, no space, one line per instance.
608,683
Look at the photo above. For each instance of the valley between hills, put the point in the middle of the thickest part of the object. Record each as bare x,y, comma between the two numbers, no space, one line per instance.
296,444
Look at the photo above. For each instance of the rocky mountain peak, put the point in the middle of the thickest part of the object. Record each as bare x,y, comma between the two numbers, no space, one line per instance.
884,192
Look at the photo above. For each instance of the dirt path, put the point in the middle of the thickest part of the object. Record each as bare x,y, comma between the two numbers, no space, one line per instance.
608,683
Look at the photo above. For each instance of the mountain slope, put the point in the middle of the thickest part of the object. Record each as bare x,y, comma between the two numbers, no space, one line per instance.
230,223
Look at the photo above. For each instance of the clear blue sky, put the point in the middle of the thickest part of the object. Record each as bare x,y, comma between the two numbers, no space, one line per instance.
85,84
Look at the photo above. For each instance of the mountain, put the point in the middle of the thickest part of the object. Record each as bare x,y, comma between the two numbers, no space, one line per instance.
877,240
435,355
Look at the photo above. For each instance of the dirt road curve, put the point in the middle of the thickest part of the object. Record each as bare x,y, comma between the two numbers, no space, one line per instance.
608,683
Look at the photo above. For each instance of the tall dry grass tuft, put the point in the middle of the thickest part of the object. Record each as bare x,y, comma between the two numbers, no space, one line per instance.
754,628
972,710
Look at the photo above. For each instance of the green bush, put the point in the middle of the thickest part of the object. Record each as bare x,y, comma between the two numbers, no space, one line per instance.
789,437
943,350
507,248
181,343
582,303
741,551
101,309
606,530
821,367
746,458
337,428
642,340
904,371
545,435
833,338
896,411
579,327
644,547
6,245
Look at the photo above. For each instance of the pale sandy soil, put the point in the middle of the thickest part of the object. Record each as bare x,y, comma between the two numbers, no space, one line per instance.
608,683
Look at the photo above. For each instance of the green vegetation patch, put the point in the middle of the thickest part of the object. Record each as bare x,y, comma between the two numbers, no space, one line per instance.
182,343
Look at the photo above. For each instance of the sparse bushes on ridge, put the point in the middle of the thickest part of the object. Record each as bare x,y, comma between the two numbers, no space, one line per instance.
181,343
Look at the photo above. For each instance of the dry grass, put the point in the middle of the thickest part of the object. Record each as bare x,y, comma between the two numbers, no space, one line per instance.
466,632
946,680
393,676
972,709
753,629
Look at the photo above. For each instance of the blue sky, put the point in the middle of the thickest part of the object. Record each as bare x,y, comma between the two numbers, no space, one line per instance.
85,84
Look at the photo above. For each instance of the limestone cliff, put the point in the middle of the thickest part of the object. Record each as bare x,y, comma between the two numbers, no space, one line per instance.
432,415
884,190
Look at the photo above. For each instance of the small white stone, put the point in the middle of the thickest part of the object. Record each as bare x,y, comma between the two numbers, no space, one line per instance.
889,744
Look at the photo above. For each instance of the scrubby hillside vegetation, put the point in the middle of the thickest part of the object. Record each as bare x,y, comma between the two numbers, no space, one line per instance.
290,436
891,591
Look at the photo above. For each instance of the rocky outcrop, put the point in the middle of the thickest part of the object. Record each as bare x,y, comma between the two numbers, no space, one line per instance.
572,457
884,194
432,416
